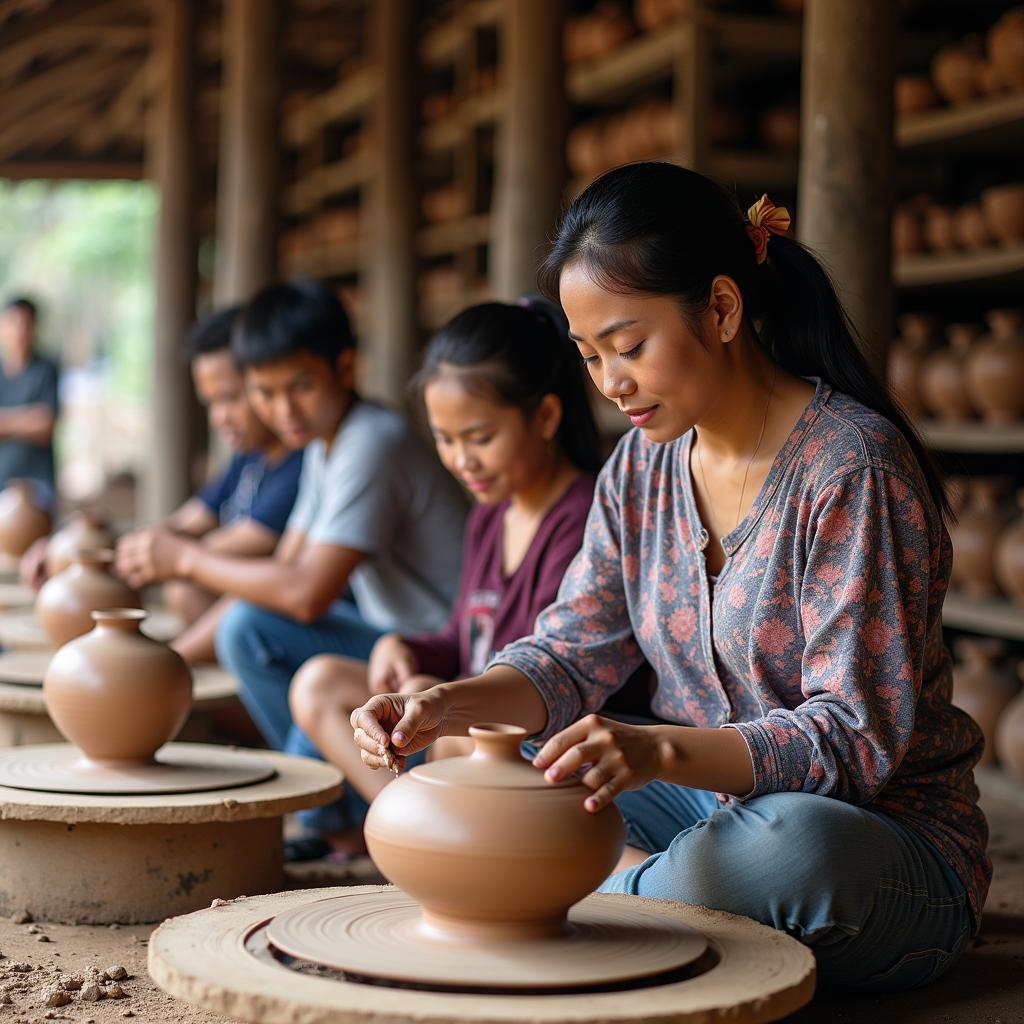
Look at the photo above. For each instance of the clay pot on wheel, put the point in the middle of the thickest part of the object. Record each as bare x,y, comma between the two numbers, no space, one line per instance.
942,376
974,539
22,520
994,369
65,602
84,531
1009,556
982,688
1006,48
906,357
488,848
116,694
1003,207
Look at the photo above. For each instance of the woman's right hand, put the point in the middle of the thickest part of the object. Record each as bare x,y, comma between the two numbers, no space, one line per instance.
401,724
391,664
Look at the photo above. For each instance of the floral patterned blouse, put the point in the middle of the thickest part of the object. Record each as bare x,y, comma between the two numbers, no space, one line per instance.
821,641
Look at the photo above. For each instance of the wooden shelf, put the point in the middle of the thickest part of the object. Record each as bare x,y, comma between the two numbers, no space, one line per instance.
344,101
440,46
989,617
973,437
341,260
473,112
995,265
987,124
330,180
442,239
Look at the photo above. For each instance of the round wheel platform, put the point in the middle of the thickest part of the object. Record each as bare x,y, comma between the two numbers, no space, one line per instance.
221,959
20,629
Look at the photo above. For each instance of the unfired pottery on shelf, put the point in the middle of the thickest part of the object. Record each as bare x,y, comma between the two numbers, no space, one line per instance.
907,231
1003,207
970,229
907,354
66,601
938,228
1010,734
22,521
982,687
1006,48
1009,556
942,375
994,369
955,71
84,531
487,847
974,538
914,93
115,693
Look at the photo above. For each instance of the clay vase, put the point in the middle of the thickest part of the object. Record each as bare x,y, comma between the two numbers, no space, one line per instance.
1009,556
906,357
84,531
970,230
116,694
1010,734
22,521
1006,48
938,229
1003,207
914,93
942,386
982,688
994,368
974,538
65,602
489,849
955,73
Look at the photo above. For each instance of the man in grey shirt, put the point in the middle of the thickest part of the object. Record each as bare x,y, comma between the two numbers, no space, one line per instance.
28,400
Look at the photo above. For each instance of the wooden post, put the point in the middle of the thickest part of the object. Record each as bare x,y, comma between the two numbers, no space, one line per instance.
531,171
846,158
389,207
247,197
167,481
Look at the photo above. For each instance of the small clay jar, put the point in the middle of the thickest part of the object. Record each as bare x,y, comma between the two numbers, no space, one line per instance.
84,531
970,231
1010,734
65,602
982,688
942,378
994,368
489,849
914,93
938,229
22,520
989,82
907,231
906,357
1003,207
955,73
974,538
116,694
1009,556
1006,48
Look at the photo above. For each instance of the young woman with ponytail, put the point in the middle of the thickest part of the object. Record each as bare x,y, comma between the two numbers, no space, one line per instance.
771,540
507,405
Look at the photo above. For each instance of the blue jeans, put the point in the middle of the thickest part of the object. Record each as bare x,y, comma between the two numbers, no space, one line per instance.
263,650
873,900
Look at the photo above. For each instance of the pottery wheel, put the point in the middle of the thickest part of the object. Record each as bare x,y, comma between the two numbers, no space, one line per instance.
380,935
21,630
179,768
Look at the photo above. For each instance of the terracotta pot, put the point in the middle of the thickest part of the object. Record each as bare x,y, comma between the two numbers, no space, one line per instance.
1009,556
1010,734
982,688
955,73
22,520
488,848
906,357
1006,48
914,93
612,27
942,386
84,531
994,369
938,229
989,82
974,538
115,693
1003,207
907,233
65,602
969,228
585,148
780,128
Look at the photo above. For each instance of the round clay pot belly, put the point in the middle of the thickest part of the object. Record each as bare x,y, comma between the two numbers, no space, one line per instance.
22,521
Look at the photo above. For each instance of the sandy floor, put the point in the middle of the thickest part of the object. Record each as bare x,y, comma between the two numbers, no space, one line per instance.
986,988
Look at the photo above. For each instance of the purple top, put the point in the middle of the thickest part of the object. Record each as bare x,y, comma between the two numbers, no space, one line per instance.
492,609
826,653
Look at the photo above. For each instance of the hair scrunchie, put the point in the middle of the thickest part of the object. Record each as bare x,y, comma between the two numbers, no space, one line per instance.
765,219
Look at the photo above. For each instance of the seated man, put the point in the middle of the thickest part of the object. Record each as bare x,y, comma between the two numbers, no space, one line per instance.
376,514
28,401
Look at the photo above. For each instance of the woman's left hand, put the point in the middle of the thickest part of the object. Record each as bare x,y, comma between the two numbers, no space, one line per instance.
619,757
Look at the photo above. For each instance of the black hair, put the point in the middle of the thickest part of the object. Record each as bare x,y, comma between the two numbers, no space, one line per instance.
23,303
520,354
660,229
212,333
284,319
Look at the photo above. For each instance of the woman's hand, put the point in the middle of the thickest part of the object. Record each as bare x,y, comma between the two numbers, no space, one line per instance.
392,663
619,757
398,723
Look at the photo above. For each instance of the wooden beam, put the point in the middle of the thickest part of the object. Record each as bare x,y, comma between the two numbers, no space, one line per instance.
70,170
126,107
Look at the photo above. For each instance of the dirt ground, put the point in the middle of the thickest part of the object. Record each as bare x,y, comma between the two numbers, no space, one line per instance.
986,988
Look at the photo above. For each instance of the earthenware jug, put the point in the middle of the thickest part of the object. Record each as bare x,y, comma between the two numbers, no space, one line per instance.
907,354
983,687
84,531
1006,48
974,538
1010,734
994,368
942,375
65,602
22,520
1009,556
115,693
488,848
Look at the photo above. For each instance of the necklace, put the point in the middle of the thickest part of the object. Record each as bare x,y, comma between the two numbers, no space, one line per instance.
743,486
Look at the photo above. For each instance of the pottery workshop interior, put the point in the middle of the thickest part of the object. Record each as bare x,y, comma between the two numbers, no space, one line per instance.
512,511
